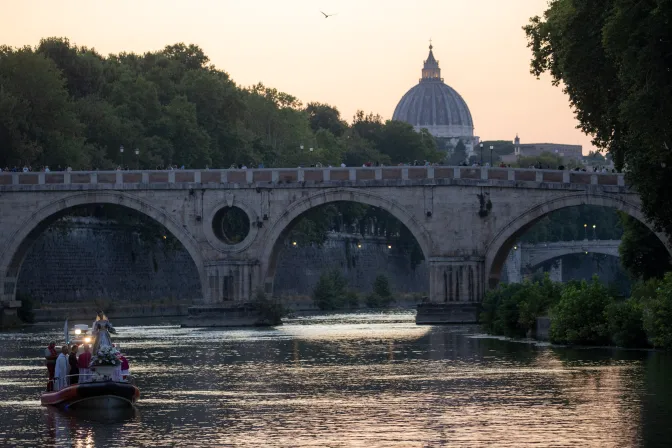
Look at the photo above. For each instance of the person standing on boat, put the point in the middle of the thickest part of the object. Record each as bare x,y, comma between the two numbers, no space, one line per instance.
124,367
62,370
83,364
50,355
74,366
101,331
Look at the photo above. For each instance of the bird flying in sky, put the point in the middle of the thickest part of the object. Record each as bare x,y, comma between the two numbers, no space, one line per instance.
326,16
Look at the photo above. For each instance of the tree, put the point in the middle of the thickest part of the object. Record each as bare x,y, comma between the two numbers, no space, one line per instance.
323,116
459,154
641,252
545,159
381,295
613,60
37,118
579,317
595,157
402,144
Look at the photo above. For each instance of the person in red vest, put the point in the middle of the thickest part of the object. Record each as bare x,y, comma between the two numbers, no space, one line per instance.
124,367
83,362
50,356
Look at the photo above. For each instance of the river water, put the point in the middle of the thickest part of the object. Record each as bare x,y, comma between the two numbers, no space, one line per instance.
373,380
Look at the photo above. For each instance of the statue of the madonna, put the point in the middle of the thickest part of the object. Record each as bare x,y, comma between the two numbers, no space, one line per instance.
101,331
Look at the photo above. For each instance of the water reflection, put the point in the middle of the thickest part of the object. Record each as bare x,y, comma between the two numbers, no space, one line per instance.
353,380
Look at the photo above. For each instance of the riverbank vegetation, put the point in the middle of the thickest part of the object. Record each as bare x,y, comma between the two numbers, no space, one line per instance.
332,293
584,313
270,310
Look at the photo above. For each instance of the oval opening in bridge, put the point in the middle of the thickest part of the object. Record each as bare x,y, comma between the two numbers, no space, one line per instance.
231,225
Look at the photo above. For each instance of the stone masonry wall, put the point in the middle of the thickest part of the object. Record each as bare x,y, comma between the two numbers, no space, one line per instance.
96,260
93,260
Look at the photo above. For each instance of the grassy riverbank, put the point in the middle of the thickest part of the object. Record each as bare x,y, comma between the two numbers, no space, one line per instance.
584,313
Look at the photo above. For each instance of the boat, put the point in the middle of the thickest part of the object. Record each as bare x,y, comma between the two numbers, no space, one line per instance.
102,389
93,395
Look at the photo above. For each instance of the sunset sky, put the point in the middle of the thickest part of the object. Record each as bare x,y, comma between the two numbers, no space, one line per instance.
365,57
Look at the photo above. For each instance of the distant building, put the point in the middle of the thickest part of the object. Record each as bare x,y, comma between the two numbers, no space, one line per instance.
566,152
433,105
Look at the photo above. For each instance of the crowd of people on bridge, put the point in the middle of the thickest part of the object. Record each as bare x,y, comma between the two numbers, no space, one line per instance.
242,166
29,169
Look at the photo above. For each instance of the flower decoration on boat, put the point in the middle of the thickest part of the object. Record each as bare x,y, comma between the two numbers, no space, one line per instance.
106,356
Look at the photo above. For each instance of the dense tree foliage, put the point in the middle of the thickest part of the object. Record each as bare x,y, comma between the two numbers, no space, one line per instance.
65,105
512,309
331,292
613,59
642,253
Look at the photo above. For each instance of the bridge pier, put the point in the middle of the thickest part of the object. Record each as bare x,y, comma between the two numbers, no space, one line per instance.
8,303
456,289
231,281
231,287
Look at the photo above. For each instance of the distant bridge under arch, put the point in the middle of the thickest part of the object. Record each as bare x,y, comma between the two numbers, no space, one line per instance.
531,255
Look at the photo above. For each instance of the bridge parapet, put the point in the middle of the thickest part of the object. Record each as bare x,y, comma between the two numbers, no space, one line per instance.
302,176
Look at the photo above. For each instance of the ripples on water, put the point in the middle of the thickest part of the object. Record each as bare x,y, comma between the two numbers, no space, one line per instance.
348,380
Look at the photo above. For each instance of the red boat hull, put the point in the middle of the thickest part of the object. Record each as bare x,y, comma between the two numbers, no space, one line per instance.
93,395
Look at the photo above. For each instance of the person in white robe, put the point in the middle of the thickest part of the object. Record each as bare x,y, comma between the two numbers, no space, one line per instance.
62,369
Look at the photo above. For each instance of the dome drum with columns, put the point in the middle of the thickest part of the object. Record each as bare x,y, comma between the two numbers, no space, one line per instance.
437,107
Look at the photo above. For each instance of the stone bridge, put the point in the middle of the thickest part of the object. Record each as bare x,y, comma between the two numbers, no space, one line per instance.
465,219
531,255
535,254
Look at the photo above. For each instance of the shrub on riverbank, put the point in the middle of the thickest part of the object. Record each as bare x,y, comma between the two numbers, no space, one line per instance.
579,317
382,293
624,319
657,313
270,310
584,313
331,292
512,309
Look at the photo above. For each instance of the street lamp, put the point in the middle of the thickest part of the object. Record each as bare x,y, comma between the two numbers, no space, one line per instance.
481,145
121,156
594,232
585,231
491,148
137,159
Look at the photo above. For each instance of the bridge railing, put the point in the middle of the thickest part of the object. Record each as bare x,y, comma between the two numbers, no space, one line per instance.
314,175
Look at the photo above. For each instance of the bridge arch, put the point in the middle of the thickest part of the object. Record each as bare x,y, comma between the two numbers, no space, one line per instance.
284,224
499,246
12,257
